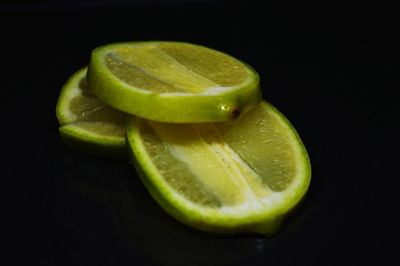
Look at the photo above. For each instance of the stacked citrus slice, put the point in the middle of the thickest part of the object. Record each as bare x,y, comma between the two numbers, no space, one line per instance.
172,82
87,124
210,151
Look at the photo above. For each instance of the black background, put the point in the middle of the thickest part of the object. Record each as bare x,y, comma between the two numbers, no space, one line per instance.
331,69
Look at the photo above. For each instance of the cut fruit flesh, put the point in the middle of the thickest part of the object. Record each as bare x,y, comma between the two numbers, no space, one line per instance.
88,124
237,176
185,82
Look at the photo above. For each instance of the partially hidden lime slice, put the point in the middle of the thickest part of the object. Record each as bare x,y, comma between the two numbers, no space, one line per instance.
173,81
239,176
87,124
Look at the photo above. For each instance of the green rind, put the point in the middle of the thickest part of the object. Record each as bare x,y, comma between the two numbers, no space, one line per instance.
169,107
93,144
62,102
265,221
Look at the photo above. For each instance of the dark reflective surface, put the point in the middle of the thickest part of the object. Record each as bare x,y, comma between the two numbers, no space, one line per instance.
333,78
145,226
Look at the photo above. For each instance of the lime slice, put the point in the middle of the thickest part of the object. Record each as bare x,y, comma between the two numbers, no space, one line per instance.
88,124
239,176
173,81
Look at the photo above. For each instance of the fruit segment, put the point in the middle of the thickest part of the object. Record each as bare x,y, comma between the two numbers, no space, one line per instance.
170,67
263,139
157,67
209,159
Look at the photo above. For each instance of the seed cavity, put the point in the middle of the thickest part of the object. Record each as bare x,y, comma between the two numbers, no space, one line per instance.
235,113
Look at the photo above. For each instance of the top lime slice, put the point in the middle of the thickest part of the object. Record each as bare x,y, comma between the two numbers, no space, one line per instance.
239,176
88,124
173,81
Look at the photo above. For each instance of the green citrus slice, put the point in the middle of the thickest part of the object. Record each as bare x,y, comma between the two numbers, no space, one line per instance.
88,124
173,81
239,176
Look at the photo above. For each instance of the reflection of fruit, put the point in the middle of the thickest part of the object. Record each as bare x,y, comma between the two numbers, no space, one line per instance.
172,81
239,176
88,124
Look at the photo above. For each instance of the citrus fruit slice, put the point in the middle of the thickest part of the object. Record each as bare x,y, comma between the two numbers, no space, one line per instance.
239,176
172,81
87,124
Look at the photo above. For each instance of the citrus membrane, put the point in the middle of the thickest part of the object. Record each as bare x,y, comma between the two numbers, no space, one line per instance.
88,124
173,81
238,176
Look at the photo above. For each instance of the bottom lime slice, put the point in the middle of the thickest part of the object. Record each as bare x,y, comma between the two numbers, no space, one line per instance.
239,176
89,125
